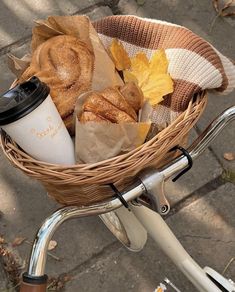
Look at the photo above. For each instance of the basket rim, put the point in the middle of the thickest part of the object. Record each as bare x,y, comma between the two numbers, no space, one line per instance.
7,142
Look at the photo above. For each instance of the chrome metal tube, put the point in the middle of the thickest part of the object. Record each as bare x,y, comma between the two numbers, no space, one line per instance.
201,143
39,250
211,132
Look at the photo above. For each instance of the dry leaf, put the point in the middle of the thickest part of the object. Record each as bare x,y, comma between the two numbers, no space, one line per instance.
224,9
151,76
2,240
67,278
228,14
228,4
52,244
119,55
56,284
11,264
230,156
216,5
18,241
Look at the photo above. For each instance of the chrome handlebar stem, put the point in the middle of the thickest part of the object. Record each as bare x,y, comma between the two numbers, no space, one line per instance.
145,183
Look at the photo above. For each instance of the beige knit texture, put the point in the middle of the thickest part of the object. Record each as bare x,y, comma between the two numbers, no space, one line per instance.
194,64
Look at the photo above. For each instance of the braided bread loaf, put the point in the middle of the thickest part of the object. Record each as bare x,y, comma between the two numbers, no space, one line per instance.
111,106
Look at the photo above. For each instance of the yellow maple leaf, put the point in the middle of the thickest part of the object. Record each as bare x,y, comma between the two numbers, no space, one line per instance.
158,85
139,62
159,62
151,76
119,55
129,77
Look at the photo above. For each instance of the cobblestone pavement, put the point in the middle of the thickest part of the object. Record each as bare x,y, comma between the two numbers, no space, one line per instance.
202,202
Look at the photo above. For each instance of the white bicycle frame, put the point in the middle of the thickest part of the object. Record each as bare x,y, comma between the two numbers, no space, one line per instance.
131,228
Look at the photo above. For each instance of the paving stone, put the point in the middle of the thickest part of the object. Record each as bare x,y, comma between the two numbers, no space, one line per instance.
196,15
25,205
3,278
99,12
206,230
225,142
7,77
17,17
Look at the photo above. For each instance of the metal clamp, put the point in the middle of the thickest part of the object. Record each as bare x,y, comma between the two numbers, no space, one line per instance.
153,181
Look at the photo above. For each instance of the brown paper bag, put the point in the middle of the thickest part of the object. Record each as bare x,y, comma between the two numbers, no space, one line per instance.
99,141
104,74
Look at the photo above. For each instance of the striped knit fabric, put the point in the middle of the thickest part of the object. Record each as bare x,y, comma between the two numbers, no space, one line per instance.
194,64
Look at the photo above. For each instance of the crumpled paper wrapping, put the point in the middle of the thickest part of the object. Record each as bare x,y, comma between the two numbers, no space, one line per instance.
104,74
95,142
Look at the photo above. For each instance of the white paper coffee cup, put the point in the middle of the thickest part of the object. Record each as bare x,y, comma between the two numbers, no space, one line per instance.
37,126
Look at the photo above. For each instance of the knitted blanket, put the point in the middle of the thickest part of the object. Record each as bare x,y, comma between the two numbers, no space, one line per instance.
194,64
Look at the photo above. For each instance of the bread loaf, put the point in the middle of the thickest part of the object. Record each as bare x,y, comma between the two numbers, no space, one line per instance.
65,64
101,107
133,95
116,98
91,117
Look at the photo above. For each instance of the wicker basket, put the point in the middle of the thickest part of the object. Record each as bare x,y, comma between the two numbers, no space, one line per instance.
85,184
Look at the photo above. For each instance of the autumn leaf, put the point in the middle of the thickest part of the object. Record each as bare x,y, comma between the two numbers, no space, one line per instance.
224,9
52,244
216,5
119,55
2,240
129,77
67,278
230,156
18,241
151,76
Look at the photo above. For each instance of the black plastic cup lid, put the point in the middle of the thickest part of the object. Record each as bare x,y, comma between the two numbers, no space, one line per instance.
22,100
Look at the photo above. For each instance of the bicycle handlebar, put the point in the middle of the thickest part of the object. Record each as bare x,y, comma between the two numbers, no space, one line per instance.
47,230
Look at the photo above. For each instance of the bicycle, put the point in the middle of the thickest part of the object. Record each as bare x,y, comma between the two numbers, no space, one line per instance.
146,217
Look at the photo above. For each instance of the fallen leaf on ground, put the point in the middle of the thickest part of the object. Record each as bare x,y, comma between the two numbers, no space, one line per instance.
18,241
11,265
2,240
52,245
223,9
216,5
230,156
57,284
67,278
